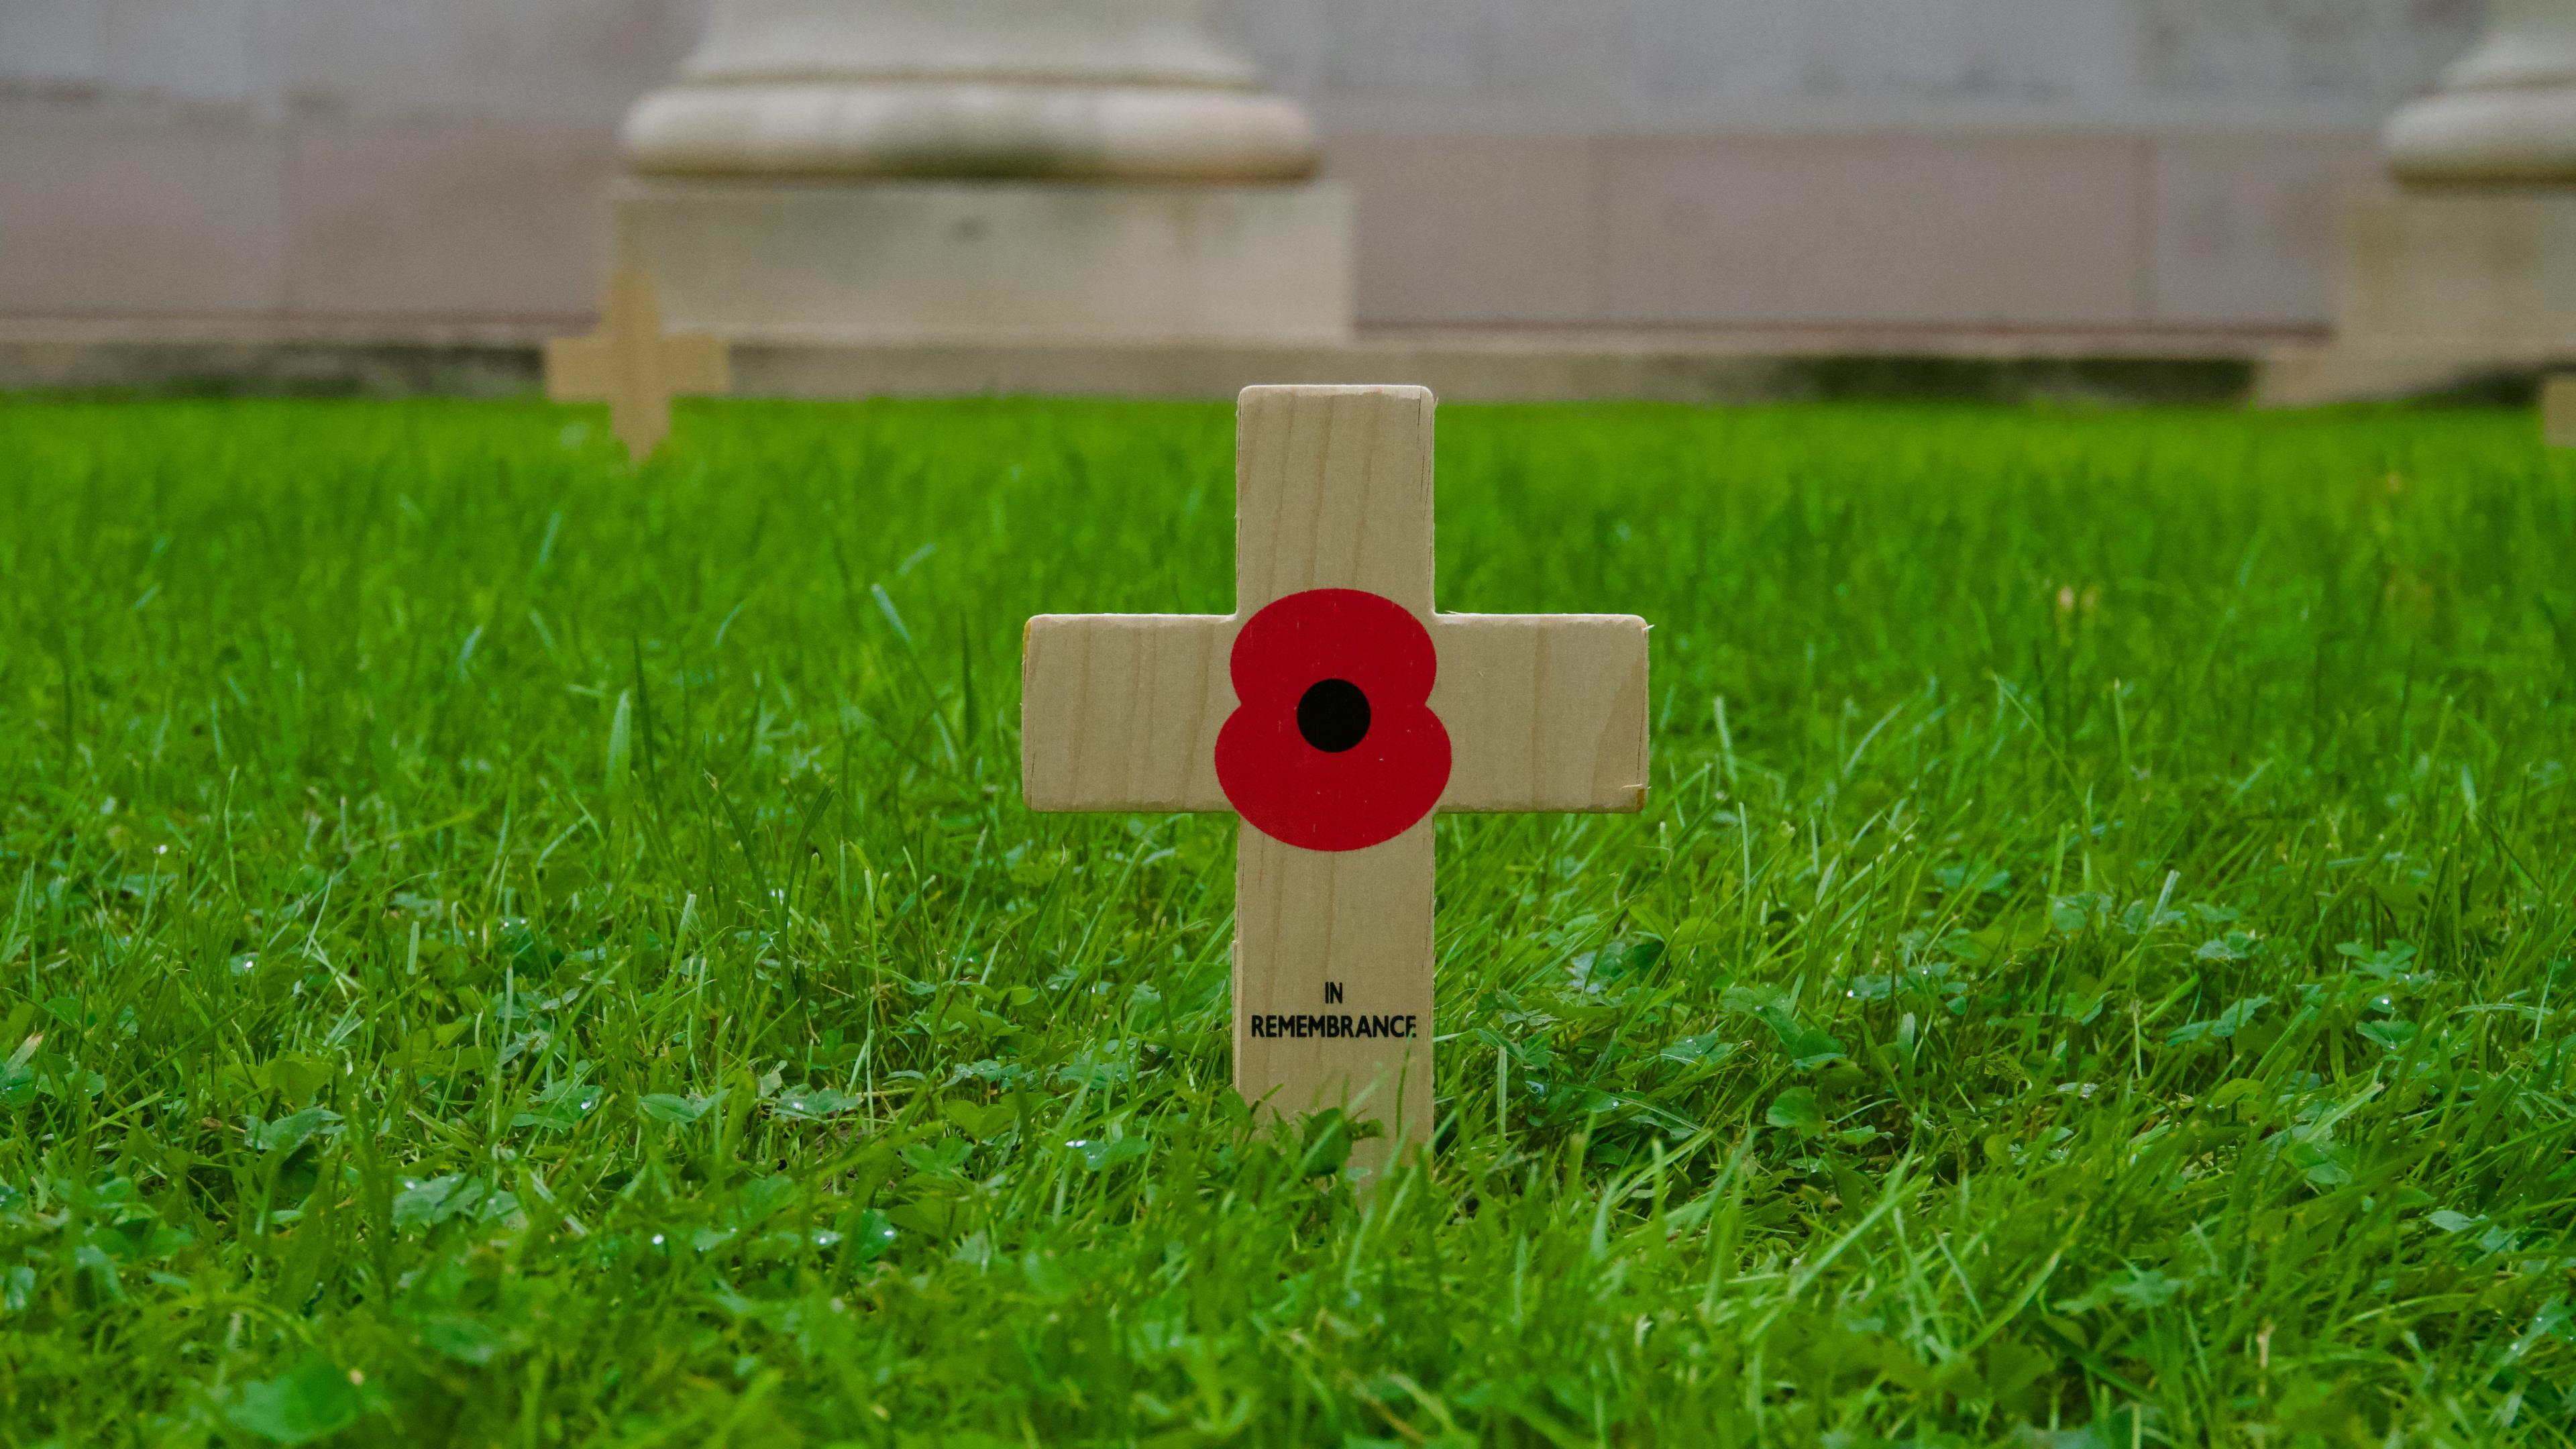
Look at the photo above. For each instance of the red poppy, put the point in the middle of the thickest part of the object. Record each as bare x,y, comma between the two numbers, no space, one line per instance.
1332,744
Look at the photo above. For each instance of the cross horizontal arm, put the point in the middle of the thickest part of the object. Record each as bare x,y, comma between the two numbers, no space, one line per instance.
1120,711
580,369
1544,711
693,362
588,369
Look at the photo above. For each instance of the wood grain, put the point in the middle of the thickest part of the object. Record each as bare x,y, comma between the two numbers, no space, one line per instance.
1120,711
1545,711
1332,490
1360,919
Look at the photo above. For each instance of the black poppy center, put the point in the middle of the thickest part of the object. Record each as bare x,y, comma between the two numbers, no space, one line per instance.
1333,716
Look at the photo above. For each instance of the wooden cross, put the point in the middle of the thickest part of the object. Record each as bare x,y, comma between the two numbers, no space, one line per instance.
2558,410
1302,712
631,365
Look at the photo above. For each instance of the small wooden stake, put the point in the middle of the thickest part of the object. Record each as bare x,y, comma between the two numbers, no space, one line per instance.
632,366
1333,948
2558,410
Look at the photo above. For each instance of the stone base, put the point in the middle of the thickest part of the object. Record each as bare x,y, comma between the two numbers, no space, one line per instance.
501,358
2441,288
2463,268
993,262
2311,375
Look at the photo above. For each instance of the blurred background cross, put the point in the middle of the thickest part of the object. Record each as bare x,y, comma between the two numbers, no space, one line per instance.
635,368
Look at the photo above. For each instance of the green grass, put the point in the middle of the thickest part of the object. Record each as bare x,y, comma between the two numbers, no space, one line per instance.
501,947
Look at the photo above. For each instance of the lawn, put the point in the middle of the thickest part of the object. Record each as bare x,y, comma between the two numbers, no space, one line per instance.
499,946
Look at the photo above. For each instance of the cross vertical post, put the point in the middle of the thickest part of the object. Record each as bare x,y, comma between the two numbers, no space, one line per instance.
1333,491
2558,409
1335,709
632,366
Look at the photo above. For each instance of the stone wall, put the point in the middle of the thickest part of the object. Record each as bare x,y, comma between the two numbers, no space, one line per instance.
2090,164
430,158
1663,66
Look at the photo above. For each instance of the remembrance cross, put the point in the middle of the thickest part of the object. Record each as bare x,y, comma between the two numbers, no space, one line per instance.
631,365
1334,710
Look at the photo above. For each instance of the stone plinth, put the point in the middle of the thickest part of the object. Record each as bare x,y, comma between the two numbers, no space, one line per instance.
2441,288
2506,112
2466,265
981,171
929,262
2558,411
2463,270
